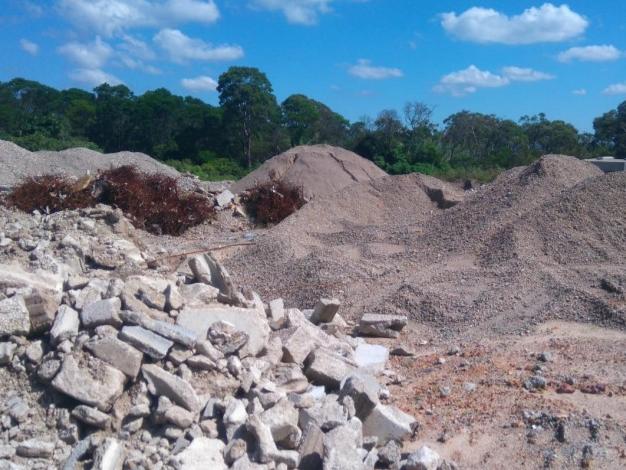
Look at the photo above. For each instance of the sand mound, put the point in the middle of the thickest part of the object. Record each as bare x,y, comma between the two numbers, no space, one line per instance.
536,244
317,169
18,163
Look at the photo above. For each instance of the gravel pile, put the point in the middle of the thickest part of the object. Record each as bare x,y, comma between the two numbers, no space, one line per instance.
317,169
538,243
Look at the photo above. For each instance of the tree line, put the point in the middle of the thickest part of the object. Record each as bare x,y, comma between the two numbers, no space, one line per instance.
250,126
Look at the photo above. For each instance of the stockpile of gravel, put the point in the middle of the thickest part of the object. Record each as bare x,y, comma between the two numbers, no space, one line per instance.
317,169
538,243
18,163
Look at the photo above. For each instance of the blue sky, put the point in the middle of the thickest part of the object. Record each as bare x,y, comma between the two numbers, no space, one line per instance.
509,58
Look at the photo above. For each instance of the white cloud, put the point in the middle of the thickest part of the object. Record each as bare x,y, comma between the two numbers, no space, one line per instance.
519,74
472,79
605,53
579,92
29,46
547,23
136,48
109,17
615,89
93,77
135,64
364,69
181,48
296,11
91,55
201,83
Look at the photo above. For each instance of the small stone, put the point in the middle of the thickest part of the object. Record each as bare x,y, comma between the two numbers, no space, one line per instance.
423,459
65,324
325,311
14,317
444,391
202,454
119,354
34,352
102,312
146,341
381,326
109,455
328,369
402,351
388,423
545,356
35,448
91,416
7,350
535,383
175,388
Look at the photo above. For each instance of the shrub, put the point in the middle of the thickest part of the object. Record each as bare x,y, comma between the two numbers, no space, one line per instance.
272,202
153,202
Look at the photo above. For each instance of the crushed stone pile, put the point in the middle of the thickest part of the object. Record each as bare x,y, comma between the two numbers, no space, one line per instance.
536,244
18,163
316,169
108,361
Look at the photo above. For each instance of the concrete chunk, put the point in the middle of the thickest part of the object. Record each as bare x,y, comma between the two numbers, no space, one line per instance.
109,455
297,345
102,312
388,423
325,311
371,358
224,198
93,383
423,458
174,388
35,448
65,325
119,354
381,326
42,306
146,341
329,369
199,320
91,416
171,331
14,317
202,454
364,390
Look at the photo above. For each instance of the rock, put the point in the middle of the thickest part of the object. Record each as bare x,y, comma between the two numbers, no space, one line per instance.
390,454
312,448
545,356
65,325
536,382
224,198
91,416
173,332
14,317
18,409
174,388
298,345
423,459
152,298
202,454
402,351
34,352
226,338
266,448
220,277
198,294
328,369
173,299
179,416
102,312
282,419
325,311
35,449
235,450
119,354
42,306
109,455
381,326
276,310
146,341
7,350
93,383
371,358
364,391
201,362
48,369
326,414
388,423
247,320
341,447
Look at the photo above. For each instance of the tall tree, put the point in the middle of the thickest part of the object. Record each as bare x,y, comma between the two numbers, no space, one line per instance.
249,105
611,130
301,119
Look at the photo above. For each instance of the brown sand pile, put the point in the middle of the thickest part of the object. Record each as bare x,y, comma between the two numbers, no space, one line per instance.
537,243
317,169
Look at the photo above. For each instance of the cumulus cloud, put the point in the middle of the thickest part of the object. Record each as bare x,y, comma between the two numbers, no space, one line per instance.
201,83
604,53
365,70
110,17
182,48
135,64
472,79
579,92
547,23
29,46
296,11
92,55
519,74
93,77
615,89
136,48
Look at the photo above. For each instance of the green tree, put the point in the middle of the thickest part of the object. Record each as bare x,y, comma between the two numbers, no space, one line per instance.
249,106
610,130
551,137
112,126
301,119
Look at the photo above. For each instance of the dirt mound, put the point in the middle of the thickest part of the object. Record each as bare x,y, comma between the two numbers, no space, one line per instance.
538,243
317,169
18,163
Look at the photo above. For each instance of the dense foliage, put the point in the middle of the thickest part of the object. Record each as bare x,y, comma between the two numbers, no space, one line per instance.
250,126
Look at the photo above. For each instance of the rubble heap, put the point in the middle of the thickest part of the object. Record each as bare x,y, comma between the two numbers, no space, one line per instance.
110,362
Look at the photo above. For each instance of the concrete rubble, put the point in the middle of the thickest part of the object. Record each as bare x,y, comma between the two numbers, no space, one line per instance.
139,368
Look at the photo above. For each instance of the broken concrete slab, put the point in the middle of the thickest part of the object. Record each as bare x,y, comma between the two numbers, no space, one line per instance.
388,423
102,312
171,331
202,454
224,198
92,382
199,320
119,354
146,341
327,368
174,388
14,317
371,358
65,324
109,455
364,391
42,306
381,326
297,345
325,311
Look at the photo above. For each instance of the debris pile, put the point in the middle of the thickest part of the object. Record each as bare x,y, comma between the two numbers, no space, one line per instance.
109,364
272,202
